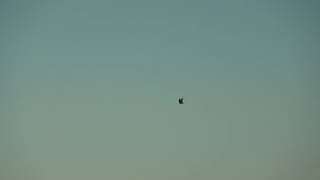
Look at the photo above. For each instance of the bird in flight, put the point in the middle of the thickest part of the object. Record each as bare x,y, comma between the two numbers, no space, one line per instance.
181,100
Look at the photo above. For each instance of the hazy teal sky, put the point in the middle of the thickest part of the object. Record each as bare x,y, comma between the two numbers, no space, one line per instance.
89,90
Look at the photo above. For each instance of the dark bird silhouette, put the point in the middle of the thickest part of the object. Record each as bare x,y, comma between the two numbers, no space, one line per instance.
181,100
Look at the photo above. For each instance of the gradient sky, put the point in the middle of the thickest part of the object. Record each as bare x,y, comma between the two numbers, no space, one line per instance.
89,90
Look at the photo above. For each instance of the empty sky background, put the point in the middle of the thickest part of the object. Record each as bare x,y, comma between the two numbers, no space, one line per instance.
89,90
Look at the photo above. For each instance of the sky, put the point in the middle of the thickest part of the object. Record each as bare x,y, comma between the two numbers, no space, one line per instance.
89,89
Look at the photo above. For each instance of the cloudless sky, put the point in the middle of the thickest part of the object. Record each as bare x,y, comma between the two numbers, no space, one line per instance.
89,90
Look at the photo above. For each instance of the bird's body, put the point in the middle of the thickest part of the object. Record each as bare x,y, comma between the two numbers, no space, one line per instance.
181,100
